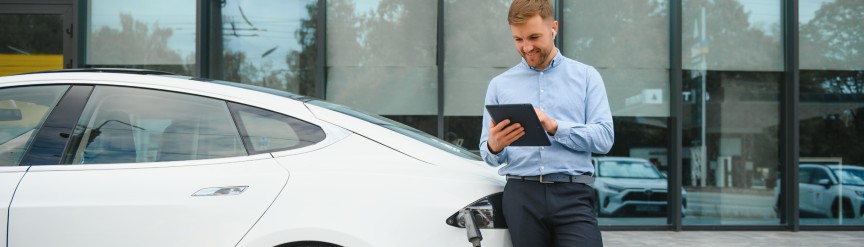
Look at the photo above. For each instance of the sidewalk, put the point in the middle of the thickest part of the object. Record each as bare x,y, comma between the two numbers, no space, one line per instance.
732,238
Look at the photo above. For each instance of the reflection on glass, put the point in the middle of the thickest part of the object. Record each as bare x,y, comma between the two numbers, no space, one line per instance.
270,44
22,111
630,187
635,72
381,56
731,111
831,193
37,43
479,46
125,125
142,34
832,106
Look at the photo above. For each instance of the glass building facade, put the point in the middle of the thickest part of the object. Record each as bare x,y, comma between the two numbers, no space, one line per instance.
739,114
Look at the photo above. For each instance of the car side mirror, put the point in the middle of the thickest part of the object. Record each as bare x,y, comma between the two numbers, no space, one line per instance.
10,115
825,182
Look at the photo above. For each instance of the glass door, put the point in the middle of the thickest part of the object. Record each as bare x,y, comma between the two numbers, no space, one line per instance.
35,38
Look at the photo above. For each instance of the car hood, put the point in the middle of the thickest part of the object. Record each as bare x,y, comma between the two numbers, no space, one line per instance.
633,183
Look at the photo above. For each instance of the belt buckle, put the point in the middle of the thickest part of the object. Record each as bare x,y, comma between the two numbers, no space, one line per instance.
545,182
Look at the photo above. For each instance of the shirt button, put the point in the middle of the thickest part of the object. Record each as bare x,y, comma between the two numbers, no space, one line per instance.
542,147
542,91
541,167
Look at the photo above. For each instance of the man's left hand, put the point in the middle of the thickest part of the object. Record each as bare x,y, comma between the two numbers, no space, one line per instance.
549,124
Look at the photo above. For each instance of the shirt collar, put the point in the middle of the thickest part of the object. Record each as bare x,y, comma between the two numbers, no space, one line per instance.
555,61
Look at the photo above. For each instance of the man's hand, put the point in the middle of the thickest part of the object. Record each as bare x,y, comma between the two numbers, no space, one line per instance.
501,135
549,124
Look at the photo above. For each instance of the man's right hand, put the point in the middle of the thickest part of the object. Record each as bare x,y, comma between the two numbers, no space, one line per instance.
501,135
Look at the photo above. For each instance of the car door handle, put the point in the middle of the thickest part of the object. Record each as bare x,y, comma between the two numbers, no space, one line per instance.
221,191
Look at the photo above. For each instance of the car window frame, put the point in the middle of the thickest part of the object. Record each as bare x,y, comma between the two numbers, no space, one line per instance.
54,136
235,109
53,118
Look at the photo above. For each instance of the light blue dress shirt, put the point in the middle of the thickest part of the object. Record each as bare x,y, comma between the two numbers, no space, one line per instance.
568,91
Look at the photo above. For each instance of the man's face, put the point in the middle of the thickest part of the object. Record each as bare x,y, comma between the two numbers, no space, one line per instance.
534,40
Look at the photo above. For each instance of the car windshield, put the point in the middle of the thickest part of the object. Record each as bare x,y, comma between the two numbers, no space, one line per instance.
399,128
850,176
628,169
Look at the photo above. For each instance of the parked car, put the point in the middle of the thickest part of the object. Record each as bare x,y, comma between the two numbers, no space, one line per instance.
628,186
830,191
99,157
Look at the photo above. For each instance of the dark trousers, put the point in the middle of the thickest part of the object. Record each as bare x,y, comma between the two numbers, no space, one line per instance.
558,214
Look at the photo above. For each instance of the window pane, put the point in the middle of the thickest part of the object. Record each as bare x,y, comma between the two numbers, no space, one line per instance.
22,111
37,43
731,112
635,71
269,131
831,112
381,56
126,125
151,34
268,43
715,34
479,47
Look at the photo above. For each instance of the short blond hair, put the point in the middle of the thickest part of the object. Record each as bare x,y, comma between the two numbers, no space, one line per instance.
522,10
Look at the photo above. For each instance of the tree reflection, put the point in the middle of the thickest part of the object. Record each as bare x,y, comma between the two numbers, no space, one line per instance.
832,82
136,45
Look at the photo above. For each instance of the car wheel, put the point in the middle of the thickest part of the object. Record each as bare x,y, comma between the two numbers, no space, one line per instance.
848,212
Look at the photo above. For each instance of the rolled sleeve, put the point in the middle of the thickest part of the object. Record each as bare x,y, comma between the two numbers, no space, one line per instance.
595,138
492,159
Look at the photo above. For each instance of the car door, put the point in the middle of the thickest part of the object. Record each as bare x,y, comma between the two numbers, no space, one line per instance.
146,168
22,112
821,195
808,189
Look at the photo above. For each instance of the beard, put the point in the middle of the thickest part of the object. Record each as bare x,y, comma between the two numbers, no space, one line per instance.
540,55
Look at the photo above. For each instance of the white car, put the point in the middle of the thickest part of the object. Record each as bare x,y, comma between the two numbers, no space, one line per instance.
829,191
628,186
135,158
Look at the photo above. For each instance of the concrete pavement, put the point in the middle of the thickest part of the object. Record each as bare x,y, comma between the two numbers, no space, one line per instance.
732,238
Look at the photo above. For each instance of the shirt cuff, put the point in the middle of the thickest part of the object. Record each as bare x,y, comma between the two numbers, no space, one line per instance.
565,128
492,157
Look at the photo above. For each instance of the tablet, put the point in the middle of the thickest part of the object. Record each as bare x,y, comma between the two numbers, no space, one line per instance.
524,114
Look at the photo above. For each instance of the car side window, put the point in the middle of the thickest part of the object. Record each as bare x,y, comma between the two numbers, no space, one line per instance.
22,112
131,125
819,174
804,175
267,131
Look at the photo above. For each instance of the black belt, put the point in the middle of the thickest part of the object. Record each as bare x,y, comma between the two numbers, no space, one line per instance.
555,178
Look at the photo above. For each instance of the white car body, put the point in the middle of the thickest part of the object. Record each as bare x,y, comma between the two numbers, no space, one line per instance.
363,185
639,195
822,194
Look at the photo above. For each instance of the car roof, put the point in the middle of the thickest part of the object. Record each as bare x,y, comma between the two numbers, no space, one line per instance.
159,80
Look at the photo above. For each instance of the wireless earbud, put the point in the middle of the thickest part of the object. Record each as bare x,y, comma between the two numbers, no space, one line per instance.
554,33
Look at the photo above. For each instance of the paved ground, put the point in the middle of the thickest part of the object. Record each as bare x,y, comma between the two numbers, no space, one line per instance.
732,238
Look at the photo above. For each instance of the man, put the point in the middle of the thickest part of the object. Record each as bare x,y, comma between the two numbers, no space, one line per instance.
548,200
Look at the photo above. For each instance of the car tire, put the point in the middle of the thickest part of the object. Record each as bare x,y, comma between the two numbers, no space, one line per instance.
848,212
